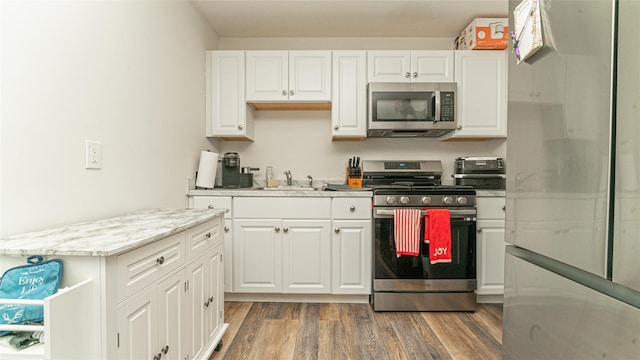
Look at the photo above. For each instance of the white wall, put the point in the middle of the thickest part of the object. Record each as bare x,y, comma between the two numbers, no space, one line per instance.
129,74
301,141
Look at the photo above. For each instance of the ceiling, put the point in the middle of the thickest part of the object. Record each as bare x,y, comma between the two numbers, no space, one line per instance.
345,18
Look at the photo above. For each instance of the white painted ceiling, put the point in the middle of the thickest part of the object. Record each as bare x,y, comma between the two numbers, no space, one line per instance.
348,18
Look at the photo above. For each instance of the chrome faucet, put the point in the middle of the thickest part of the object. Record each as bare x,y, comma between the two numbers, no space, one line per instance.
310,179
287,173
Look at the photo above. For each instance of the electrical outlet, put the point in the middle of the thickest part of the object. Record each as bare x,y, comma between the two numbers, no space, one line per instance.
93,155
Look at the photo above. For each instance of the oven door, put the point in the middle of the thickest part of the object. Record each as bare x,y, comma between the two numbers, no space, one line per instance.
416,272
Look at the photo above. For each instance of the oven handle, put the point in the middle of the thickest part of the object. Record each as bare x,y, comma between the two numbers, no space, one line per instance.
455,213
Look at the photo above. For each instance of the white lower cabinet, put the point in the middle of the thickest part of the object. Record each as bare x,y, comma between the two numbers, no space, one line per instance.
306,255
351,245
257,249
490,245
296,245
178,316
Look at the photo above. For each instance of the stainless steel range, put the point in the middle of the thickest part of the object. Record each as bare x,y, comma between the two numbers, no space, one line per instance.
414,283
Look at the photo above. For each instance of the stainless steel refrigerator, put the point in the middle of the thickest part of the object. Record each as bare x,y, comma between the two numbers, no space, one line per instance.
572,271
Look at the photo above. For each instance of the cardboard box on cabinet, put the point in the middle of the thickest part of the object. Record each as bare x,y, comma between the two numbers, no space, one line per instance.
484,34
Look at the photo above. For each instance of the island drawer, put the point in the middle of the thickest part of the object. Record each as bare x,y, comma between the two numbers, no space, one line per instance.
143,266
201,237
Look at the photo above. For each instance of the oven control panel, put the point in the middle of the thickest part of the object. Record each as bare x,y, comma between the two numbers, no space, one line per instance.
425,200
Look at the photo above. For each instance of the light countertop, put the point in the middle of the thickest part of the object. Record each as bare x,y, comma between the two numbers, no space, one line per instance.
109,236
280,193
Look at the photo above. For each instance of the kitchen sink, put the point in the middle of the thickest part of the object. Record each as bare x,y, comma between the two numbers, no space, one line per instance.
290,188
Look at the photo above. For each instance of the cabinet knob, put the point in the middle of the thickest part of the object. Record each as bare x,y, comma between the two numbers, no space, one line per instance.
160,260
336,127
211,299
479,230
210,207
504,207
286,229
337,230
277,228
352,208
415,74
240,127
407,75
291,92
459,127
158,357
284,92
207,235
207,303
226,229
165,349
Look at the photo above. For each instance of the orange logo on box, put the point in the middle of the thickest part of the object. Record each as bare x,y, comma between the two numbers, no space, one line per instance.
494,36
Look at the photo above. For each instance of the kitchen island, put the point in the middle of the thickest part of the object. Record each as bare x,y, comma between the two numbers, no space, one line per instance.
133,286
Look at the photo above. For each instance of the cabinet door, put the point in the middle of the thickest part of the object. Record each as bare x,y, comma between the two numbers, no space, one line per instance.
481,97
172,322
490,257
215,301
228,259
226,106
267,76
257,256
351,257
310,76
197,295
389,66
432,66
138,327
306,256
349,95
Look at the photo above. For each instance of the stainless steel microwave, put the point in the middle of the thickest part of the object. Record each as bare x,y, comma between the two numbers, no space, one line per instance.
411,109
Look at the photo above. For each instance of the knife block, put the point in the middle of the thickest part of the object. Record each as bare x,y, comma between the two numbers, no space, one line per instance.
353,180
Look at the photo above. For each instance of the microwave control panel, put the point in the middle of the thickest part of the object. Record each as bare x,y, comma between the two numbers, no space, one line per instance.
447,106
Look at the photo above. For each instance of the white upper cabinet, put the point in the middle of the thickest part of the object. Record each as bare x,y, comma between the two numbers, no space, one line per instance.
349,95
481,97
410,66
227,113
276,76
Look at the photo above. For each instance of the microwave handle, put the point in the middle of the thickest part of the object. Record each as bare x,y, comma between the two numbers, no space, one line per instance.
436,108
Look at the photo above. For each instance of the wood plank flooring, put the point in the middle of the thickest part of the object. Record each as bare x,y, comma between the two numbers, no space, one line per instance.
354,331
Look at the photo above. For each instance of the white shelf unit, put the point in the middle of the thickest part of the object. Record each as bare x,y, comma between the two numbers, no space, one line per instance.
67,334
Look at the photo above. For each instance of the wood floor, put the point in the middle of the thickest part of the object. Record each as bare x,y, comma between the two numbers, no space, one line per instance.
354,331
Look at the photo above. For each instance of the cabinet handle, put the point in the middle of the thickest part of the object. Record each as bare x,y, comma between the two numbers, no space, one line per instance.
226,229
165,349
415,74
207,235
352,208
160,260
284,92
291,92
504,207
207,303
479,230
285,229
337,230
407,74
277,228
240,127
210,207
336,127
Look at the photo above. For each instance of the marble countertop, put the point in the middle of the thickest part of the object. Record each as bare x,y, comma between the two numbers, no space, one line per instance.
109,236
280,193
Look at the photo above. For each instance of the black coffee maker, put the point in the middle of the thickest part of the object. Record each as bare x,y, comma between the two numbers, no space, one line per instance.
231,170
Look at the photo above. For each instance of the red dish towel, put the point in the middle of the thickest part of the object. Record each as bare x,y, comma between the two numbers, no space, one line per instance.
406,231
437,232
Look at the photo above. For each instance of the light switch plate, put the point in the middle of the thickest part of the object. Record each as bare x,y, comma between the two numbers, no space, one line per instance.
93,155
